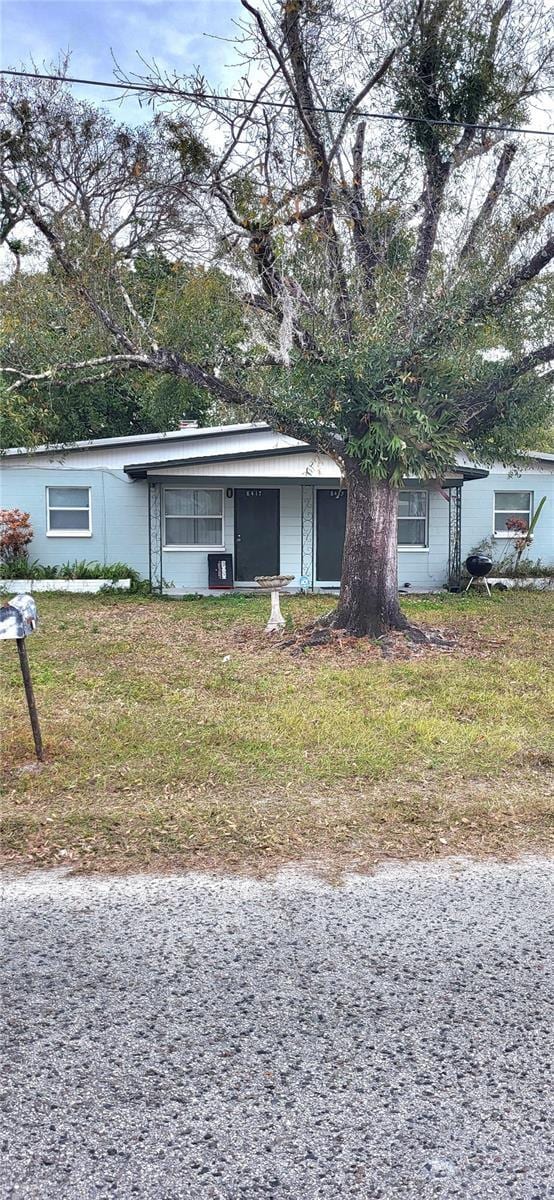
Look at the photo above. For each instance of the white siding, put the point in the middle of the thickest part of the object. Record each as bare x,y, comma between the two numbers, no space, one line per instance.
184,446
291,500
308,465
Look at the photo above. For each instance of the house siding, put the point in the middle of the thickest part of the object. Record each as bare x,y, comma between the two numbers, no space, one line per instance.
120,512
189,568
119,515
478,502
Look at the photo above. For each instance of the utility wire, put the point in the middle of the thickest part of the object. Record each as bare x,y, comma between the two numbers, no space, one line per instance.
197,97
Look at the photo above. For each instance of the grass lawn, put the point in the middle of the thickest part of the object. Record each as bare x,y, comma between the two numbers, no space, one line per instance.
178,735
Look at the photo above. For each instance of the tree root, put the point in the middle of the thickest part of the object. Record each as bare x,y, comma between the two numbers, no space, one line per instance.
417,637
325,633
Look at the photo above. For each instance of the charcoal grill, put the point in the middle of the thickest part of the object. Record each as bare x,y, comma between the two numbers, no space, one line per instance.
478,567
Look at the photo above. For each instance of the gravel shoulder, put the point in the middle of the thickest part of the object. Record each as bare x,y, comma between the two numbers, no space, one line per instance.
202,1038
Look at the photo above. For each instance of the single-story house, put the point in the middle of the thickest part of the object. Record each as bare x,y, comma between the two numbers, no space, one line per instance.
163,502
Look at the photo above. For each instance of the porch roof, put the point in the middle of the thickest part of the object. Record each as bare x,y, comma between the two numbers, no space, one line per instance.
316,467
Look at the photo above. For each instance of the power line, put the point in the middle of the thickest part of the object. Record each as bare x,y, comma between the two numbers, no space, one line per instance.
254,102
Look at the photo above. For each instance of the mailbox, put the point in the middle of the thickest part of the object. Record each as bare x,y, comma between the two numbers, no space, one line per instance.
18,618
220,571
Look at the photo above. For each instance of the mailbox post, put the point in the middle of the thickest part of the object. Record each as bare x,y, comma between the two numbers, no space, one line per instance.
17,620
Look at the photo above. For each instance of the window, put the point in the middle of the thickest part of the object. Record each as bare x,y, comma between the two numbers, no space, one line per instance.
512,513
68,512
193,517
412,518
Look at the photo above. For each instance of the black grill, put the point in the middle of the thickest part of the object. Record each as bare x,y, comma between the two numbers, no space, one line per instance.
478,565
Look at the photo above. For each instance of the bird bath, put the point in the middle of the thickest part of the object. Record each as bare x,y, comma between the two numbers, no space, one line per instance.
273,584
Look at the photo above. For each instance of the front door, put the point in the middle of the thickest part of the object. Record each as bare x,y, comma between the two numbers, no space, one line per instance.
257,549
331,524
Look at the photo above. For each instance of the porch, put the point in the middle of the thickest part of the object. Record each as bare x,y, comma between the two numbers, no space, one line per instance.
270,525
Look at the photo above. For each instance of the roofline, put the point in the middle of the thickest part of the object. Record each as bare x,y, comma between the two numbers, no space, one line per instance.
471,472
141,470
143,439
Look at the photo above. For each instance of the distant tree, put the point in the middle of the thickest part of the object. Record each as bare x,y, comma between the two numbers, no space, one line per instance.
42,322
388,282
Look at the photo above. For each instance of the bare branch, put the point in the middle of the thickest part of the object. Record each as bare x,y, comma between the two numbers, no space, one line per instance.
502,295
366,257
493,195
136,315
355,103
436,178
57,372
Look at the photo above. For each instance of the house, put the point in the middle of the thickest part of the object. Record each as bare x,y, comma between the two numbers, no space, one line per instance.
163,502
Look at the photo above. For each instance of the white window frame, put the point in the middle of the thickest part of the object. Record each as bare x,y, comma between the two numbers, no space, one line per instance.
420,547
68,533
514,512
183,549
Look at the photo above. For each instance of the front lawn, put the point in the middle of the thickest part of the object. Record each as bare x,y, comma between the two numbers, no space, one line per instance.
177,735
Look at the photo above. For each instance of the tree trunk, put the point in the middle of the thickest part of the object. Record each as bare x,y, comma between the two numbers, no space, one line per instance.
368,604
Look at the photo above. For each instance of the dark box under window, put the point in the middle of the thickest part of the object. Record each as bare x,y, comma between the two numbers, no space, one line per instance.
220,571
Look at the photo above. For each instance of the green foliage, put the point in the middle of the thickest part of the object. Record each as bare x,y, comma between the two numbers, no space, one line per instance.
448,71
22,568
333,291
193,155
43,323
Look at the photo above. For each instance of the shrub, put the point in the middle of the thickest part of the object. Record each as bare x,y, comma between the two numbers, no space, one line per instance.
15,534
507,563
21,568
95,570
532,568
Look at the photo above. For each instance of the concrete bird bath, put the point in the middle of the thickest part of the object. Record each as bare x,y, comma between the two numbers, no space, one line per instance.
273,584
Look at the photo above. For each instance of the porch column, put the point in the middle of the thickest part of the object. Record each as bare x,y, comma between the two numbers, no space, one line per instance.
455,537
307,534
155,536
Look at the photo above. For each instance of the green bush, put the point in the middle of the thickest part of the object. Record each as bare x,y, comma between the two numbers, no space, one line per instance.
532,569
21,568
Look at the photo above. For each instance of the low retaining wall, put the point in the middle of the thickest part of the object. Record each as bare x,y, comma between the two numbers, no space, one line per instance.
62,585
541,583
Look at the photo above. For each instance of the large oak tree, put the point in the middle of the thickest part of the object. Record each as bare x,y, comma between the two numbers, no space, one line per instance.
388,281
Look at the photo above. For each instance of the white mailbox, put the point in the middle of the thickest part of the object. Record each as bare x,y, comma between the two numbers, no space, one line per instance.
18,618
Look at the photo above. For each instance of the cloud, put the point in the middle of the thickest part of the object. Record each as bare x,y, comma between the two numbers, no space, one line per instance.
179,36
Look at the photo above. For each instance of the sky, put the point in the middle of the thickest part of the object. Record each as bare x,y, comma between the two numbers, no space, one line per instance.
179,34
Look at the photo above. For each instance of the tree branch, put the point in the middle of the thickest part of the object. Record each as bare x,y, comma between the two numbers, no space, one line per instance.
491,199
436,178
54,373
521,226
482,402
355,103
366,257
523,274
136,315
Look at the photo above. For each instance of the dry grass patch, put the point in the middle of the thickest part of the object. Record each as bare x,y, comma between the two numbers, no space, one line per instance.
176,734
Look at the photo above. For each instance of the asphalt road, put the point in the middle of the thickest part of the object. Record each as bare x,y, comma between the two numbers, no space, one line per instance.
192,1037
